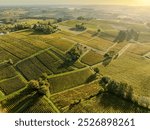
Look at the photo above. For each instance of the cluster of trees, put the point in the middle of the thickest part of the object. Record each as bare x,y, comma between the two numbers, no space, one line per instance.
97,33
42,85
84,18
73,55
80,18
108,57
45,28
10,20
59,20
94,76
21,27
5,28
124,90
142,101
118,88
80,27
127,35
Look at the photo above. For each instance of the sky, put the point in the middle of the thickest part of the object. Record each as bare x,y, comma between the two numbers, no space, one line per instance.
120,2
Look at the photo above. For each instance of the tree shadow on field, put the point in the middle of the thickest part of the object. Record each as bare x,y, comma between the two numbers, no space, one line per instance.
4,65
26,103
38,33
118,104
91,78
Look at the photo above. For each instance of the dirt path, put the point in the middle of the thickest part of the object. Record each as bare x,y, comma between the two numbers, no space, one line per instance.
111,47
123,49
33,55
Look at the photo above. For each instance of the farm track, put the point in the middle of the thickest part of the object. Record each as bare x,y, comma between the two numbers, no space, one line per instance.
11,53
123,49
74,88
35,54
3,80
88,47
98,51
121,52
111,47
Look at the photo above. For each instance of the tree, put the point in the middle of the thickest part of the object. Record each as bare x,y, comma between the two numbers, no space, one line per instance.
44,76
44,90
127,35
80,18
97,71
104,82
98,30
33,84
45,28
21,26
59,20
80,27
41,86
91,78
118,88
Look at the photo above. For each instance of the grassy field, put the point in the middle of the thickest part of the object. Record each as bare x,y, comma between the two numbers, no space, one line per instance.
69,80
7,72
35,21
33,68
92,58
85,36
62,44
106,103
27,100
64,99
78,65
52,62
144,48
11,85
99,43
1,95
35,53
17,52
92,24
118,46
4,55
13,40
144,37
90,101
13,99
131,69
44,106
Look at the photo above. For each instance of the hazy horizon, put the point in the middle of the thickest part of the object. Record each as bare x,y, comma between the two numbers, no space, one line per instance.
75,2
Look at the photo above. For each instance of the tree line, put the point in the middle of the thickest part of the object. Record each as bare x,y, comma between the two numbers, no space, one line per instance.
127,35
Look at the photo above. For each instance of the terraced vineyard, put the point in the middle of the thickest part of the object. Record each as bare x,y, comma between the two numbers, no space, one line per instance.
62,71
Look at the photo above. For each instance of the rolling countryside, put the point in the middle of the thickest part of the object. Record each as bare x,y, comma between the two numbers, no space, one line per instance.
57,60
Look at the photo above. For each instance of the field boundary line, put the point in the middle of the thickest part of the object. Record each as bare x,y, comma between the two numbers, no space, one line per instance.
3,80
35,54
82,85
69,72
